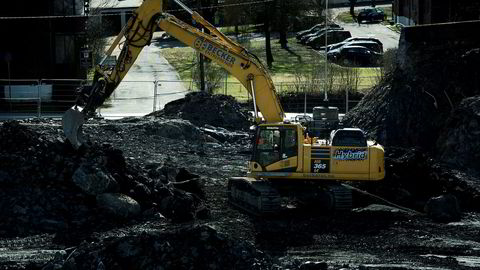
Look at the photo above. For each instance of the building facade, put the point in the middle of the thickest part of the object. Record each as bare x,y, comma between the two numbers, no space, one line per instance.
38,42
419,12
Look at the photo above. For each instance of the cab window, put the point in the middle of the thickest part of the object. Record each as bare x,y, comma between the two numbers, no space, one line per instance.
289,143
274,144
268,146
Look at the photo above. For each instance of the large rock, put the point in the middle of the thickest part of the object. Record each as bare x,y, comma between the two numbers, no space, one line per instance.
443,208
93,180
118,205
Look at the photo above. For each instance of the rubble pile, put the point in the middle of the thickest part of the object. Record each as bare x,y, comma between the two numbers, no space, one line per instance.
205,109
459,142
412,103
413,178
47,186
190,247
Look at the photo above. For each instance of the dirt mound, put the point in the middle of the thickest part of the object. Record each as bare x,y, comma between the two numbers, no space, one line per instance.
410,108
459,143
197,247
413,177
206,109
47,186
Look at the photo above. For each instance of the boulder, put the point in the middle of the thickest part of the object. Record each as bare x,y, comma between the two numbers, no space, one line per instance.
444,208
93,180
118,205
309,265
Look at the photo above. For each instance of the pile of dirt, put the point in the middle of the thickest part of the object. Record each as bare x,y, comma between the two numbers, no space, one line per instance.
459,141
413,178
191,247
205,109
410,107
47,186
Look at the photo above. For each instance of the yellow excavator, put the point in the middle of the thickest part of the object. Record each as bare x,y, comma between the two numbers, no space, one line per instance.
285,161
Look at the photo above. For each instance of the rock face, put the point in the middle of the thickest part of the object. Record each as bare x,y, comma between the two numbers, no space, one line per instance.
201,108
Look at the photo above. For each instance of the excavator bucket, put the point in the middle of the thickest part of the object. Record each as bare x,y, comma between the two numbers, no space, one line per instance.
72,122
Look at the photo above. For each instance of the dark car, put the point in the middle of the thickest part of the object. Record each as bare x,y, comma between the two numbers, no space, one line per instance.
371,15
306,37
333,36
352,55
371,43
374,46
314,29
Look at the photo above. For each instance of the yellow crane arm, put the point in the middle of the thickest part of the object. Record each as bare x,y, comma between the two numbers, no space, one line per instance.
243,65
232,57
138,33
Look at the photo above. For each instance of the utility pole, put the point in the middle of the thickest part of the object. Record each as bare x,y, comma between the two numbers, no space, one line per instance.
202,60
202,72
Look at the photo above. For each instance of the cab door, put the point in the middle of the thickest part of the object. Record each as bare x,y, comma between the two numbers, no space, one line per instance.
276,148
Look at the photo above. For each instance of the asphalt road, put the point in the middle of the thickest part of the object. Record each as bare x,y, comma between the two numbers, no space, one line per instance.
388,37
135,94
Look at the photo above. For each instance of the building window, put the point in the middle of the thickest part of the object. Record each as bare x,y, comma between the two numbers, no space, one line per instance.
69,7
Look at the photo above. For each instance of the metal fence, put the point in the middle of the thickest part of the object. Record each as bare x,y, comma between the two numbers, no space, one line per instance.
49,98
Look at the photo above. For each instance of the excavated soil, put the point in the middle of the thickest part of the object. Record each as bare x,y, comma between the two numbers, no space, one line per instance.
432,103
204,231
150,193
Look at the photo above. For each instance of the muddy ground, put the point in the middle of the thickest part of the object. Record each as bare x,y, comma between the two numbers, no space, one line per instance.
369,237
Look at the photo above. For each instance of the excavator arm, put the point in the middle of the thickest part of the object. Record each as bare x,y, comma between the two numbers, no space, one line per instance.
138,32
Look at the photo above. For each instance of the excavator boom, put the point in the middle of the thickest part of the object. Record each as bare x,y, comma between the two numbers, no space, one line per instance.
138,32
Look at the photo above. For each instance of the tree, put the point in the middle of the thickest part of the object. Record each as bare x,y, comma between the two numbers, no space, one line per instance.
352,7
268,46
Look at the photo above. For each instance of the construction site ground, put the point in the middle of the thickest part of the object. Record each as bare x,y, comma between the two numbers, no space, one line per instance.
365,238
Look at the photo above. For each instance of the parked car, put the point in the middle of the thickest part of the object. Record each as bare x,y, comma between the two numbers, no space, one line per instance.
353,55
333,36
352,39
306,37
374,46
371,15
311,30
314,29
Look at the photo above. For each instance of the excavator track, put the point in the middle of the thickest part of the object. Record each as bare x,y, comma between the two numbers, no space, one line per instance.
342,197
256,197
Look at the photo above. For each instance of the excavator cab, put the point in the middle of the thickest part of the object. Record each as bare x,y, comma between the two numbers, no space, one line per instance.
275,148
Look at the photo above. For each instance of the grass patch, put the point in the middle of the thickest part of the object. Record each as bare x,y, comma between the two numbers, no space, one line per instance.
287,65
